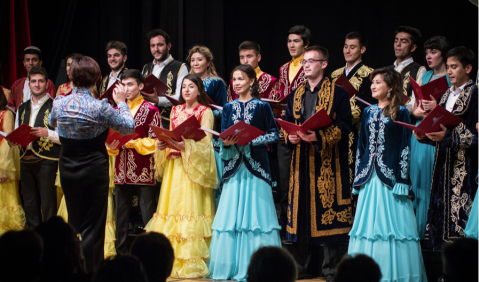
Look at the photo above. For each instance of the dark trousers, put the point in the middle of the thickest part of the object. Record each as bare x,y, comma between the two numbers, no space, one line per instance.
148,202
284,168
39,191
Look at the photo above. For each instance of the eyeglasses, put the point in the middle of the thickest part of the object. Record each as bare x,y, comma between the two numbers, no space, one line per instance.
310,61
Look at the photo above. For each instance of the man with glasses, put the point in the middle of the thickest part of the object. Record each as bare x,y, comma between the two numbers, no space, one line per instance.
319,196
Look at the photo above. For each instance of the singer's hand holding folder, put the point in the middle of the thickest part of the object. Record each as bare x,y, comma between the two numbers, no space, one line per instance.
20,136
123,139
189,129
318,120
243,131
432,122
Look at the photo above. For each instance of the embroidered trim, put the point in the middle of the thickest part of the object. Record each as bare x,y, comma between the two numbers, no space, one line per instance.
372,136
384,169
404,162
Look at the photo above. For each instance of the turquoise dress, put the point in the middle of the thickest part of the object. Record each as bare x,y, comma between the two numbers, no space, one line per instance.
472,222
216,90
246,217
384,226
422,165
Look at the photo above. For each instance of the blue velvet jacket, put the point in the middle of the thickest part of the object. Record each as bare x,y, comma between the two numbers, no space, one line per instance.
386,147
255,154
216,90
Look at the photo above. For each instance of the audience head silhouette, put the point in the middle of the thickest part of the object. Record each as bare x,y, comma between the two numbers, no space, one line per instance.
121,269
155,252
359,268
62,254
272,264
459,260
20,256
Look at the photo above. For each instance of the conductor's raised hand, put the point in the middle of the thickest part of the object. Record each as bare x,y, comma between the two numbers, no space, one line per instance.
231,140
119,93
151,97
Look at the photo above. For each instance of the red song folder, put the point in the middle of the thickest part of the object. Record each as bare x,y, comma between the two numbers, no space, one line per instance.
189,129
20,136
152,81
277,104
432,122
434,88
213,105
245,132
123,139
318,120
108,94
173,101
343,81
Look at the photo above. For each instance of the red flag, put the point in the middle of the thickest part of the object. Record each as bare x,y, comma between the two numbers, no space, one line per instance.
18,40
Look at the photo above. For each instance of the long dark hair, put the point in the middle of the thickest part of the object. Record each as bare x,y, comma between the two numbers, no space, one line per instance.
202,99
251,74
394,80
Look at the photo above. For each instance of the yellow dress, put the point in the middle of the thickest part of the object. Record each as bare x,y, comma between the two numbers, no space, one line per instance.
186,207
110,227
12,216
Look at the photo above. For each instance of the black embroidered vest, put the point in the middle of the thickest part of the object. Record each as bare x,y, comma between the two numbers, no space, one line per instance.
106,80
42,147
410,70
169,74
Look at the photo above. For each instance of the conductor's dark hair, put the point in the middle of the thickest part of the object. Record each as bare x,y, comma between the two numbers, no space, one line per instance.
321,50
202,96
439,43
85,71
363,41
250,45
118,45
250,74
303,31
463,55
360,268
132,73
38,70
413,32
272,264
158,32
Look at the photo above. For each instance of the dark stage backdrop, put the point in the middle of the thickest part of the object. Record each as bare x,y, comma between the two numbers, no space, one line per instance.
61,27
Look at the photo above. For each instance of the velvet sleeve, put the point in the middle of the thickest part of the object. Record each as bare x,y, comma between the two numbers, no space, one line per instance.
271,134
362,141
147,145
341,126
221,95
402,178
198,156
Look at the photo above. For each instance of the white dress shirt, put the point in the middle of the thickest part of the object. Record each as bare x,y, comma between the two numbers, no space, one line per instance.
157,69
27,94
348,70
451,100
399,67
112,78
52,134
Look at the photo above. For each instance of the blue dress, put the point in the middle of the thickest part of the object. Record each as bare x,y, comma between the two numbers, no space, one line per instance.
246,218
216,90
422,164
472,222
384,227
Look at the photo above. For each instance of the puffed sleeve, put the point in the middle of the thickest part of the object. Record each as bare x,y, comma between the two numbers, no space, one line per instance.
199,158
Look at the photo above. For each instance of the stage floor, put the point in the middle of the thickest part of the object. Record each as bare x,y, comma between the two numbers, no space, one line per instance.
211,280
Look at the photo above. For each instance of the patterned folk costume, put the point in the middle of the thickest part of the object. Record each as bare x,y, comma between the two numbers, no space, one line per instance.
106,80
358,76
455,168
268,86
319,187
16,95
186,207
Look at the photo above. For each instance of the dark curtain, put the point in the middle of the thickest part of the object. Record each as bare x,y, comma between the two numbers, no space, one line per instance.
61,27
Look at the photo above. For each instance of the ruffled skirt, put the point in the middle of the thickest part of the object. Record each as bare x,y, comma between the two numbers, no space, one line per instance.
471,227
185,214
385,229
12,216
422,165
245,221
